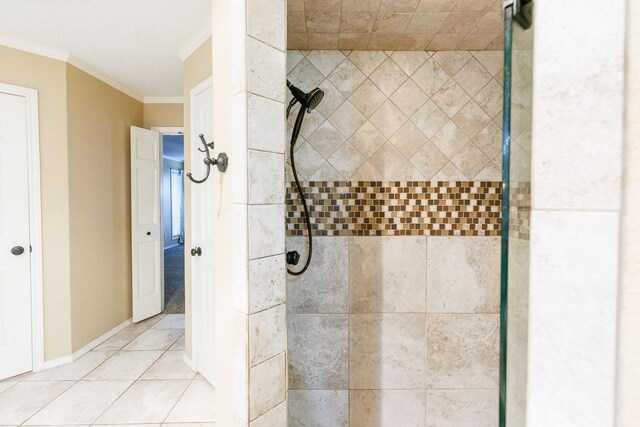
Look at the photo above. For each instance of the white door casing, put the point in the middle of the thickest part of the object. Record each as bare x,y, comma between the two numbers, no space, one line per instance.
202,222
146,227
21,324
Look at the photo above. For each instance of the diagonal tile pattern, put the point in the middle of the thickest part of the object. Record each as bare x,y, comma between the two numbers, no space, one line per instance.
394,24
115,386
390,115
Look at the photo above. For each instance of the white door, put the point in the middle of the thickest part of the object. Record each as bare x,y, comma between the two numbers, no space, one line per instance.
146,234
15,277
202,215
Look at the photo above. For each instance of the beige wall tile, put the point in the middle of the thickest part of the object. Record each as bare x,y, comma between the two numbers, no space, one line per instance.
318,351
296,22
387,351
297,41
323,22
277,417
268,387
346,77
260,112
388,77
470,160
305,75
409,61
387,161
429,160
264,70
326,139
266,177
321,408
388,274
414,41
429,119
388,119
463,275
357,22
267,334
266,230
267,285
367,61
436,6
387,408
409,98
451,98
472,77
266,22
324,287
408,140
427,22
449,139
332,98
391,22
325,61
445,41
346,160
457,408
361,5
353,41
462,351
430,77
322,5
367,140
347,119
323,40
471,119
367,98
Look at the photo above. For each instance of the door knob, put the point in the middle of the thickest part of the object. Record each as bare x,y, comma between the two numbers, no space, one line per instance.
196,251
17,250
148,233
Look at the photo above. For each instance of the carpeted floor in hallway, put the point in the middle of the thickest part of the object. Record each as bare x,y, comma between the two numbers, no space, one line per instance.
174,280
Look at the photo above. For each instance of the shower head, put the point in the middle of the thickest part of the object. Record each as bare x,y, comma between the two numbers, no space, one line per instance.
308,100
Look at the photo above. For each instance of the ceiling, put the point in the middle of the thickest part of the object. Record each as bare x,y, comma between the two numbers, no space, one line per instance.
395,24
133,42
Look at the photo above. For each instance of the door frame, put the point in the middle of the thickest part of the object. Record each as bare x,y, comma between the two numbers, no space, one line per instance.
35,221
196,315
164,130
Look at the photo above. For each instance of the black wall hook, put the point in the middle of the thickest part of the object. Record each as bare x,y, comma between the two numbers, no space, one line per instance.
222,161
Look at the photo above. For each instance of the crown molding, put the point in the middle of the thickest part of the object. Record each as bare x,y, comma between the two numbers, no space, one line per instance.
63,56
33,48
163,100
195,42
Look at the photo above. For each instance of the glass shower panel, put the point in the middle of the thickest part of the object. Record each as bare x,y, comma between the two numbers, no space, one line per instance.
517,161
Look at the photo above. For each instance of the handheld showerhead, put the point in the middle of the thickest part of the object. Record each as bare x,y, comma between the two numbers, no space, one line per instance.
308,100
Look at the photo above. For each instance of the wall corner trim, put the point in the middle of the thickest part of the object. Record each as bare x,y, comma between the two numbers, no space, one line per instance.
87,348
195,41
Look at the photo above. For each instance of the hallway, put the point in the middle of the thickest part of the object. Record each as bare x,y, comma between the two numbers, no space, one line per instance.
174,280
136,377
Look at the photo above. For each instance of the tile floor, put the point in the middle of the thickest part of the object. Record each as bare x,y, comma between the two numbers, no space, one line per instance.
136,377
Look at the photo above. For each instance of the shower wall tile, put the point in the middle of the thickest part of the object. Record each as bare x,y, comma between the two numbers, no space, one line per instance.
387,351
385,90
265,65
267,334
266,176
277,417
266,389
267,283
324,287
387,274
463,275
462,351
319,408
387,408
266,22
318,351
266,230
263,130
457,408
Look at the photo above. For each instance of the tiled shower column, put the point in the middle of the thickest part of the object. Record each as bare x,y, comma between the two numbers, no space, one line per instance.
249,94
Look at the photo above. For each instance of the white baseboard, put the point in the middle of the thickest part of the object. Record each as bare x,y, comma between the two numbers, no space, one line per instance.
87,348
189,362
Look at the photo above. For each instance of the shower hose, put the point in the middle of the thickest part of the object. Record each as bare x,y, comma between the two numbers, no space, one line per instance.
294,138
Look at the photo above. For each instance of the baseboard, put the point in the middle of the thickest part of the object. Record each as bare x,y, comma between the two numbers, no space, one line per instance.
87,348
189,362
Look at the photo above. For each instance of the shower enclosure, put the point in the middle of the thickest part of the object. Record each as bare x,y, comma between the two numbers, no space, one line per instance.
516,211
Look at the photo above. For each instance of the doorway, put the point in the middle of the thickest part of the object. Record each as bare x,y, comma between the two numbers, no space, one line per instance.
172,200
21,311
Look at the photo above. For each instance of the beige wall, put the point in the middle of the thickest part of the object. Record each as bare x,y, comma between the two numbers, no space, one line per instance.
99,118
197,68
48,77
628,381
163,115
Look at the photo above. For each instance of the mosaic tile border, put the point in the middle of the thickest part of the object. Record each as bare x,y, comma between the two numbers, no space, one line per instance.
397,208
520,211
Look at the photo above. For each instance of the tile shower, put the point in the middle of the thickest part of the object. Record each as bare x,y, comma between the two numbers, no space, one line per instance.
396,321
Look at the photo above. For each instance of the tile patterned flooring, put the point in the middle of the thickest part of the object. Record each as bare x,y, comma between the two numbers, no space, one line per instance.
136,377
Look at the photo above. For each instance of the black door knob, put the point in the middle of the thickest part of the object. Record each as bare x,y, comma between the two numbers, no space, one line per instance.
17,250
196,251
148,233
